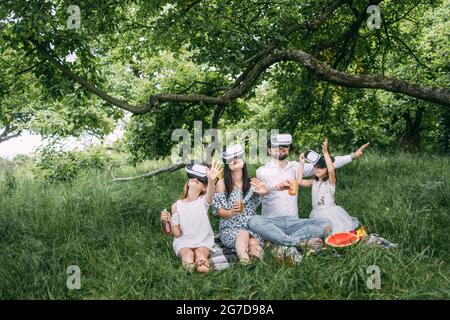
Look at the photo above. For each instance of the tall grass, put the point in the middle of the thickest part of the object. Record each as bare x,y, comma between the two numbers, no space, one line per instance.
112,232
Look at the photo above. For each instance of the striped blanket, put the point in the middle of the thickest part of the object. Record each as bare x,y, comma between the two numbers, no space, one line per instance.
221,257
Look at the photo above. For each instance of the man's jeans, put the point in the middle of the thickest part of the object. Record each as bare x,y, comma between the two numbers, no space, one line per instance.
288,231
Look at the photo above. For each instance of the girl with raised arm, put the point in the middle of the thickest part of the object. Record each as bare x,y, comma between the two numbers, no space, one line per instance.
194,237
323,190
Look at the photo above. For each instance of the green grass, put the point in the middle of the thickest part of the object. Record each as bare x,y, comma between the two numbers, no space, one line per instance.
112,232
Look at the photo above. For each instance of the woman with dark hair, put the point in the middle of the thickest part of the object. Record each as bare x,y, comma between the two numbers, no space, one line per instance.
235,202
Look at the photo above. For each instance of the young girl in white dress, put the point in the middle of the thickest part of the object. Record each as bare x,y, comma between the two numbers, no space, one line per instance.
323,190
194,237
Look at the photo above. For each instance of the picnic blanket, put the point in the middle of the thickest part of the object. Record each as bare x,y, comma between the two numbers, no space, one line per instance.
221,257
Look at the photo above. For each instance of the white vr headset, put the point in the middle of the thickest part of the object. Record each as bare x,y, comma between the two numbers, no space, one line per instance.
316,158
312,156
231,152
280,140
198,171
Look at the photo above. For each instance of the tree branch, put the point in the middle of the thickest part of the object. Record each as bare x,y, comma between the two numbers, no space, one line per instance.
88,86
6,134
171,168
404,15
29,68
326,73
350,32
3,139
310,27
412,53
319,69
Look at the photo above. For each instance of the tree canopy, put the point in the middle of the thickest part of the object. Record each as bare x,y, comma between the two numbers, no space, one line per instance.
172,62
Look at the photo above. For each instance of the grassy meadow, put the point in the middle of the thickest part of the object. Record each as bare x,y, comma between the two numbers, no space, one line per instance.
112,232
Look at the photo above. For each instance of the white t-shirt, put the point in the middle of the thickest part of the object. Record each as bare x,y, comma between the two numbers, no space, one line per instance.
194,223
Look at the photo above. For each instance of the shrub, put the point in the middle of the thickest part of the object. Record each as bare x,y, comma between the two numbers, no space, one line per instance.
57,165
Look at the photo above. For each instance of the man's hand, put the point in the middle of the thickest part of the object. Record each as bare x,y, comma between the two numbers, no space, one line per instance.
285,185
358,153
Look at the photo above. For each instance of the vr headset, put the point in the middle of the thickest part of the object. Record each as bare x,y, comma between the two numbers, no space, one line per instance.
231,152
280,140
316,158
198,171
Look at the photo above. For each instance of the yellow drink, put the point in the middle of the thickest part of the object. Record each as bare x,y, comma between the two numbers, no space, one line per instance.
293,191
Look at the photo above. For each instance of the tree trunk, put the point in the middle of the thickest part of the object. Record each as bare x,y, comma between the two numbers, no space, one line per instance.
410,141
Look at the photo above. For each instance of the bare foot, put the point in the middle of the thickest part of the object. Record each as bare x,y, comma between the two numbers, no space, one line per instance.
202,266
243,255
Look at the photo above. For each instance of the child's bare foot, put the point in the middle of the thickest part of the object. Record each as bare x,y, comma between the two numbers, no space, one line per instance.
202,266
243,255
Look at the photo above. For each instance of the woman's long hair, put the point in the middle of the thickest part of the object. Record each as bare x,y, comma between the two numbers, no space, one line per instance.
229,181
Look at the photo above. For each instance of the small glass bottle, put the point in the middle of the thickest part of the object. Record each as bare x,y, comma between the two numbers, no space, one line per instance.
240,200
166,225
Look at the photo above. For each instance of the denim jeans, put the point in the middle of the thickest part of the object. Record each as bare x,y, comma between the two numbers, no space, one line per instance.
288,231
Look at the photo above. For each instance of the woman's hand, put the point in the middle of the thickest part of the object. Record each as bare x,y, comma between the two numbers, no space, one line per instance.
325,146
301,158
260,187
165,215
235,209
214,172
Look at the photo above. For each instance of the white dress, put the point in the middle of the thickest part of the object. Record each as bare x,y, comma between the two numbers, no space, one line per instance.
324,206
194,223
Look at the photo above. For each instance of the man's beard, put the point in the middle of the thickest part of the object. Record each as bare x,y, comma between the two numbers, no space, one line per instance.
282,157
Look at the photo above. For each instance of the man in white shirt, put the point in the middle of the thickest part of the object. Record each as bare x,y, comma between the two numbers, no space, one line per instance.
279,221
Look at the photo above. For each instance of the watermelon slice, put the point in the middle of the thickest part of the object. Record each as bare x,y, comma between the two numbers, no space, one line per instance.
343,239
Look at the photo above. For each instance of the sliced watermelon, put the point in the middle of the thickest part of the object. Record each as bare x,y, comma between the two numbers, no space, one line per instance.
342,239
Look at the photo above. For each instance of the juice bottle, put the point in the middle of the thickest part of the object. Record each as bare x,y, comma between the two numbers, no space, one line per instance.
293,190
240,200
167,228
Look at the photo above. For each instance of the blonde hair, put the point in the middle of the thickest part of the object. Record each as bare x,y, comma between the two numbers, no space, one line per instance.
185,192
